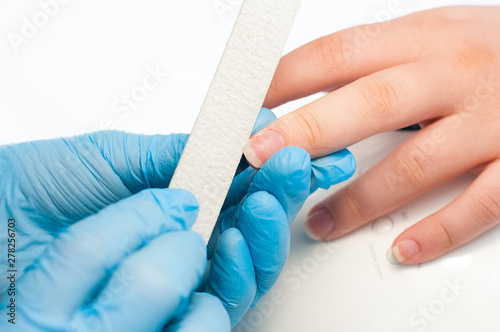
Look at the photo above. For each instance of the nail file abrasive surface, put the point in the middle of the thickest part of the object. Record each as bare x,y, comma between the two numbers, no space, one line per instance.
232,104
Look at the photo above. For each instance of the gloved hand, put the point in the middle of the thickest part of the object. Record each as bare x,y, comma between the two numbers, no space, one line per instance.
133,266
50,185
251,241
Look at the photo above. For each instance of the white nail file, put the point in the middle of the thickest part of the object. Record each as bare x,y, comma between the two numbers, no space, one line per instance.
228,114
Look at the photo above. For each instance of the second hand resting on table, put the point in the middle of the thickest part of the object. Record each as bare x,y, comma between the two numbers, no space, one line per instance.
439,68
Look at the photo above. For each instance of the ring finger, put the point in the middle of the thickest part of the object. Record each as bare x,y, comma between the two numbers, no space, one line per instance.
433,156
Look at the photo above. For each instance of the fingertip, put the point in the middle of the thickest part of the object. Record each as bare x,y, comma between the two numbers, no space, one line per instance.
346,164
332,169
265,118
261,146
404,251
194,244
178,204
320,224
197,242
310,232
185,196
232,244
205,313
251,157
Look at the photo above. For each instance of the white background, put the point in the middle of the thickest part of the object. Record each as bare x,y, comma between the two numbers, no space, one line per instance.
68,75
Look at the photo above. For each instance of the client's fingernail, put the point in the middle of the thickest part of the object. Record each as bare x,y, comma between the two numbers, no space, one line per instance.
319,224
405,250
261,146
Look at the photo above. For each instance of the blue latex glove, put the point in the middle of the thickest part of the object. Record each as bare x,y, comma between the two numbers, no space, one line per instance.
251,241
130,267
51,185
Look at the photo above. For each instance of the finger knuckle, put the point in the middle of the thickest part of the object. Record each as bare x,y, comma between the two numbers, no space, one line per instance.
429,22
444,236
473,54
353,205
488,209
331,53
450,14
414,168
380,99
311,130
438,18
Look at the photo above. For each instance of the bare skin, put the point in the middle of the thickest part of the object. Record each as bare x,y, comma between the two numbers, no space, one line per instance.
439,68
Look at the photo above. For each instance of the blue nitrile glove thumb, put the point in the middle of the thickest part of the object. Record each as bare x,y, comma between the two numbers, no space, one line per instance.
133,266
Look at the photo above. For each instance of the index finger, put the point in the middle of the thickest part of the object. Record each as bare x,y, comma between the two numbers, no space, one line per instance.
384,101
335,60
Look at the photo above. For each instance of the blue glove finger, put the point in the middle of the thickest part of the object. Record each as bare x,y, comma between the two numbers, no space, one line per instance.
326,171
287,176
332,169
85,254
232,274
264,225
265,118
205,313
159,279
